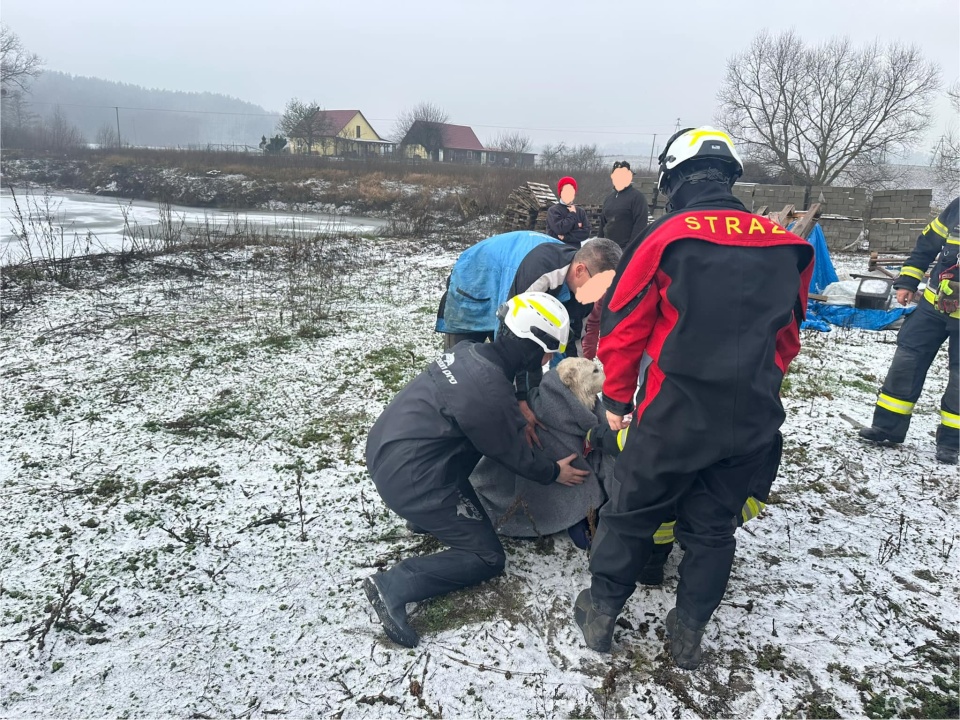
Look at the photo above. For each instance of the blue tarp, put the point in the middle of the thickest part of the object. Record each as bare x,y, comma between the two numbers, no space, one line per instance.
823,271
821,316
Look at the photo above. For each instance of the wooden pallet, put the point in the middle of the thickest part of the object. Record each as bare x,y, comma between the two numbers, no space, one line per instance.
803,220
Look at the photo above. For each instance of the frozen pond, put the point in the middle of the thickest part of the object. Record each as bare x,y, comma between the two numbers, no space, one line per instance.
93,223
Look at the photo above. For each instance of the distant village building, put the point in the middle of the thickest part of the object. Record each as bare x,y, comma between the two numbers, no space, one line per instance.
443,142
349,134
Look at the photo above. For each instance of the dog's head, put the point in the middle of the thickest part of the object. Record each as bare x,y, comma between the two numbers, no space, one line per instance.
583,377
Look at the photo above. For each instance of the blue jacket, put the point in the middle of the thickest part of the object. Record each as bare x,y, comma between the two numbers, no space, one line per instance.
486,275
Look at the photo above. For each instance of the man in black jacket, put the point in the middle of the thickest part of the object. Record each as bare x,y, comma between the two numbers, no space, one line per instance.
624,214
706,308
425,444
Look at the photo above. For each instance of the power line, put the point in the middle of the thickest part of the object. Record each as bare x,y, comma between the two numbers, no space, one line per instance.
276,115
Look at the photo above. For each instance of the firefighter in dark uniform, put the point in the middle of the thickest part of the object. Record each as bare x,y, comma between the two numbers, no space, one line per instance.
707,304
937,318
423,447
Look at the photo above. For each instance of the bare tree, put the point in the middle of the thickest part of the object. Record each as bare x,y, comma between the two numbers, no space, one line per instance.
306,123
17,66
818,113
516,144
106,136
421,125
552,156
58,134
946,156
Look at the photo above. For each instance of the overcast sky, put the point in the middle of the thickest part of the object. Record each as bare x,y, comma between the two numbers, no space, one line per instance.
601,71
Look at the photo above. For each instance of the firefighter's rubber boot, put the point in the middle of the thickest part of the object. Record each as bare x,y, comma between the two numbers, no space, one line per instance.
876,435
392,613
946,455
684,640
652,573
597,627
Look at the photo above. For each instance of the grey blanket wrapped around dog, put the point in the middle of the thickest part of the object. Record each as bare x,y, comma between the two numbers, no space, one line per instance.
522,508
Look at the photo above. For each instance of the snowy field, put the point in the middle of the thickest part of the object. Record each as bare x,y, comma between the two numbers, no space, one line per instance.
186,521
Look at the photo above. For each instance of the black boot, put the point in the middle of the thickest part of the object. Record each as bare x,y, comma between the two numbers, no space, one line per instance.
946,455
684,640
597,627
881,437
392,613
652,573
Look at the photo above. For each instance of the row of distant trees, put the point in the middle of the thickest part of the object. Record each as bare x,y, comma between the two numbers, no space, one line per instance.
800,113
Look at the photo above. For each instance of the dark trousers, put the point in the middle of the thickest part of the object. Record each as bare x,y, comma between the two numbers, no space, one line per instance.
918,343
447,508
705,503
451,339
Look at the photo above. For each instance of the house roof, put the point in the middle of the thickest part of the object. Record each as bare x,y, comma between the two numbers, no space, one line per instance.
339,118
456,137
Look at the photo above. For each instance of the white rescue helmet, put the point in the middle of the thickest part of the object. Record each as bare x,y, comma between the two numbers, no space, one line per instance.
703,143
539,317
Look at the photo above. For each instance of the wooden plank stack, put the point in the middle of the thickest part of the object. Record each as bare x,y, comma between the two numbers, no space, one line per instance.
526,204
527,209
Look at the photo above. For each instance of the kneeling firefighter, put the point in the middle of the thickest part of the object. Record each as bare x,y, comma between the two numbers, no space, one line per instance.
423,447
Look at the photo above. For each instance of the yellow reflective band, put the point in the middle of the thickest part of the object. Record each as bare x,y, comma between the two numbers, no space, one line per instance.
664,533
700,134
900,407
622,438
751,508
938,227
517,304
912,272
546,313
950,420
953,240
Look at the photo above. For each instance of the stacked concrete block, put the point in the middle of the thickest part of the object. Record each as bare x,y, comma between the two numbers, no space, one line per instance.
842,233
844,201
894,235
906,204
744,193
775,197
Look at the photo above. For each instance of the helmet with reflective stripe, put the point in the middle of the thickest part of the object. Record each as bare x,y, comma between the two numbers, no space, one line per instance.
680,159
539,317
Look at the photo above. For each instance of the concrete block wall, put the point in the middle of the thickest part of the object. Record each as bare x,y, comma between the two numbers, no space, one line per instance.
848,211
846,201
841,232
907,204
894,236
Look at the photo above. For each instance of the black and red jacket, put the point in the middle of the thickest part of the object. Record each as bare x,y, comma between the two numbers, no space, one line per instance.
708,301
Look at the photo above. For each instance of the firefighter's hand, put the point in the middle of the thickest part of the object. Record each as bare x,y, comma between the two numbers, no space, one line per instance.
569,475
904,296
616,422
530,431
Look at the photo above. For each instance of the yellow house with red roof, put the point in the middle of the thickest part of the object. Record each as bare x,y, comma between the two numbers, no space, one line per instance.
348,134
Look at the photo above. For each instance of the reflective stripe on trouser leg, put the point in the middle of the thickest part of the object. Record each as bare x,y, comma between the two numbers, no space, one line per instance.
900,407
948,434
918,342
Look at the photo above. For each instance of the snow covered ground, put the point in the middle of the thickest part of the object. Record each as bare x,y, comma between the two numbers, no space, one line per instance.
186,521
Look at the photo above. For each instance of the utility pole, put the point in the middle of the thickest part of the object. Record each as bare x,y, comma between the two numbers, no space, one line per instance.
118,125
678,125
652,146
